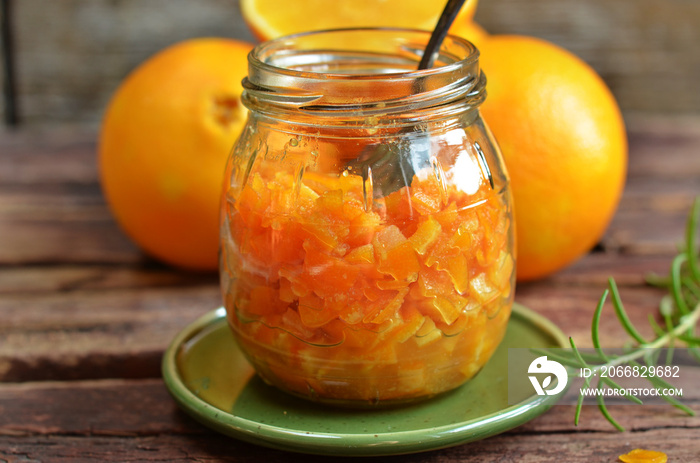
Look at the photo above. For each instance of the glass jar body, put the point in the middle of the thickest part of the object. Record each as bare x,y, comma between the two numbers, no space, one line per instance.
367,258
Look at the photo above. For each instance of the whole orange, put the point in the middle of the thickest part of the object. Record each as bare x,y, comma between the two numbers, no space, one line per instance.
564,144
269,19
163,147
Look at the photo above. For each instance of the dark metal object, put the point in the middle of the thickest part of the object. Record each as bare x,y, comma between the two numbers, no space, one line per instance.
8,69
443,26
392,166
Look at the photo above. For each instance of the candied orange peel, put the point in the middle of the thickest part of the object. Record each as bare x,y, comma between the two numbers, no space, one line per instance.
644,456
338,301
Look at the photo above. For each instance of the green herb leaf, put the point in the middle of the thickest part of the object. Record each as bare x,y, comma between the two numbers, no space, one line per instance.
679,310
622,314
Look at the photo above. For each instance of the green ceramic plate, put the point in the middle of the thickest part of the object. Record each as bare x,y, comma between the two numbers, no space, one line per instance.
211,380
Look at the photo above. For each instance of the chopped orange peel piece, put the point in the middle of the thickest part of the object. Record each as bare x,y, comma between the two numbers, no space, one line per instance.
335,301
644,456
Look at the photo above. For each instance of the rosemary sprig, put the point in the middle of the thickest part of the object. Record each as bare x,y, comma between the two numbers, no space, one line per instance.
679,310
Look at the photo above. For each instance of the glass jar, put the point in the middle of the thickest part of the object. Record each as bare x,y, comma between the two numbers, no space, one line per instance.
366,228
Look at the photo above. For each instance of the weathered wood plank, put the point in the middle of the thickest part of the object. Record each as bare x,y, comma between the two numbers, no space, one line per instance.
75,321
81,304
71,55
660,147
664,146
99,321
95,334
573,447
511,447
645,231
66,278
663,180
51,206
633,44
593,269
104,408
571,308
61,224
74,420
122,332
40,157
53,211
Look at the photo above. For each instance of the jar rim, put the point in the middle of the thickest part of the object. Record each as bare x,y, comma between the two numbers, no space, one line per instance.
262,53
349,74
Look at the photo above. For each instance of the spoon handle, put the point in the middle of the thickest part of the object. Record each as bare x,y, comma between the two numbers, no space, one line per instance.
443,25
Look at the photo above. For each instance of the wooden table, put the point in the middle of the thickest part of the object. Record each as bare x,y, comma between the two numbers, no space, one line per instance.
85,317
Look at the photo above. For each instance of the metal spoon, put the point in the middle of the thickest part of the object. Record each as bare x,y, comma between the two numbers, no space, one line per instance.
388,167
447,17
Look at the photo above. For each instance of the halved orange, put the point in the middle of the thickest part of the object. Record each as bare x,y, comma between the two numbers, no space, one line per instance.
270,19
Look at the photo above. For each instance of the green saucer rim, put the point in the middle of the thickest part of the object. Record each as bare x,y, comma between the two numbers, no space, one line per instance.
351,444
